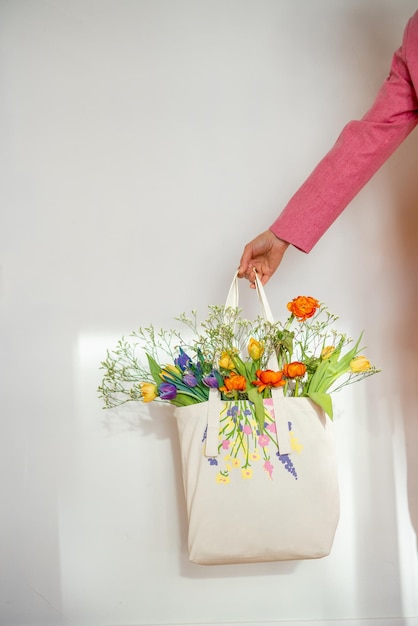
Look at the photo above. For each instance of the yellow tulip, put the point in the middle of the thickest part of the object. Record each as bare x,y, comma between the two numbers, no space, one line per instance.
170,372
226,362
360,364
326,352
255,349
149,392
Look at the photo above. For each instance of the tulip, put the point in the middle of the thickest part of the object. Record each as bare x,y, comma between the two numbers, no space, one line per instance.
211,381
149,392
167,391
326,352
303,307
170,372
294,370
190,380
360,364
226,361
268,378
183,360
255,349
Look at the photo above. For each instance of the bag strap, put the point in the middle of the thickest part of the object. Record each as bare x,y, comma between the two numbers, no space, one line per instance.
282,429
232,299
213,421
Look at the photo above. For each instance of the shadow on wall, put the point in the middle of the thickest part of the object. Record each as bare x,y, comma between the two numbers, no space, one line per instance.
404,330
398,248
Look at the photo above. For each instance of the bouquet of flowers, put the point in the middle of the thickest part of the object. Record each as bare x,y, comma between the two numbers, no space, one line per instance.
234,355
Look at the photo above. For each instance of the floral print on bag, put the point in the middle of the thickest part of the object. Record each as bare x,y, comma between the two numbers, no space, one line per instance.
242,446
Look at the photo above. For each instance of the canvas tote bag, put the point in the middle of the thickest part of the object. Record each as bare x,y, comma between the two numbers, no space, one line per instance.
257,497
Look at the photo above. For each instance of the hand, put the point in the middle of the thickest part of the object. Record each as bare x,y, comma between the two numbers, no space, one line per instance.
263,254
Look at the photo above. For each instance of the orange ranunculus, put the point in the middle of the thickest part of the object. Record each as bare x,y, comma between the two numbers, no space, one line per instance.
295,369
255,349
268,378
303,307
234,382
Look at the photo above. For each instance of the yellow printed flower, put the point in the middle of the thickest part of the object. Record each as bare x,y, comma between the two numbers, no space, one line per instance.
294,443
254,456
221,479
360,364
326,352
149,392
246,473
255,349
236,462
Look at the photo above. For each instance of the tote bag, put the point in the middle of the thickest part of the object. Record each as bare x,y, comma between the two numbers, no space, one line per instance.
256,496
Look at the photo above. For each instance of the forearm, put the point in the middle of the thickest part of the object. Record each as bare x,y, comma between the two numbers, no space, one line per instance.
361,149
358,153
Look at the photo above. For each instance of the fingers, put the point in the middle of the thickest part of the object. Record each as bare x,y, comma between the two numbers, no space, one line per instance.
244,264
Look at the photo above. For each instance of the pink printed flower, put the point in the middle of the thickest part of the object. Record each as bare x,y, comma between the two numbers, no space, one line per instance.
225,444
247,430
271,427
263,441
269,468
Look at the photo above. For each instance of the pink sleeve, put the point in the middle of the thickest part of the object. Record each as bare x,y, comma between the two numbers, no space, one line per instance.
362,147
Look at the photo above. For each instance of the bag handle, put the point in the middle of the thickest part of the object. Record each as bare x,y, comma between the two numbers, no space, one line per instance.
282,429
232,300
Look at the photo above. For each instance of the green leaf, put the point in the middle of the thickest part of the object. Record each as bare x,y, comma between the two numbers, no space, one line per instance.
155,370
324,400
257,399
183,399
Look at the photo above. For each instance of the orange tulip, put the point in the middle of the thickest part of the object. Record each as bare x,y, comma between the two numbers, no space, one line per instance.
234,382
303,307
295,369
268,378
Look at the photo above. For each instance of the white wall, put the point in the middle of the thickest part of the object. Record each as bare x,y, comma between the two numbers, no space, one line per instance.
143,142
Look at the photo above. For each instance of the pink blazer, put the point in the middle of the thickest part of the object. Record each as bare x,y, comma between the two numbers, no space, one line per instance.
362,147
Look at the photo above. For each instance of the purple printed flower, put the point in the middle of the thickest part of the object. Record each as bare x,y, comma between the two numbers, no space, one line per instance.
183,360
167,391
190,380
211,381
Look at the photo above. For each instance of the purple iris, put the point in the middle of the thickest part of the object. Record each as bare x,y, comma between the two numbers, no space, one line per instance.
183,360
190,380
211,381
167,391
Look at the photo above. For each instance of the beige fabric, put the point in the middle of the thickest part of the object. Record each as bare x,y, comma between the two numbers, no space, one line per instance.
254,496
281,509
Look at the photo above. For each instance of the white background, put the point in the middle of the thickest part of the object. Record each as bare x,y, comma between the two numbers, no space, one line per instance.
143,143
